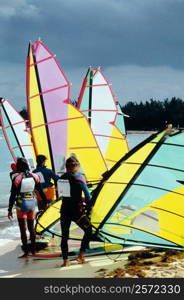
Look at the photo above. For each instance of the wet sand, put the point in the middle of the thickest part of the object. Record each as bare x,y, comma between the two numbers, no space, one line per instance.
14,267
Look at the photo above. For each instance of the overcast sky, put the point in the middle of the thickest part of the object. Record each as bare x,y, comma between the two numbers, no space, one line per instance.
139,44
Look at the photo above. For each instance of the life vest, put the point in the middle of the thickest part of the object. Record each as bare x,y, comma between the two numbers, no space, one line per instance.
25,182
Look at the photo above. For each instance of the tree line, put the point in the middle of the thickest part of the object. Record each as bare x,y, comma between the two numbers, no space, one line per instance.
154,114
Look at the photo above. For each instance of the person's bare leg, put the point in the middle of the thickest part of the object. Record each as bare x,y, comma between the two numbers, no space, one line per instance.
85,241
22,227
66,263
81,258
30,225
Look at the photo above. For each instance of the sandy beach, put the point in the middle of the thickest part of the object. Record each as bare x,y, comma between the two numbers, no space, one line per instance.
134,262
12,266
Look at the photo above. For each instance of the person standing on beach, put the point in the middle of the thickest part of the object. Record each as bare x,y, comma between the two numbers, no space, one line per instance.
22,192
46,175
73,208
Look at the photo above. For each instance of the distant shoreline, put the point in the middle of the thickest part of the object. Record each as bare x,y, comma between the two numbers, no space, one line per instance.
140,131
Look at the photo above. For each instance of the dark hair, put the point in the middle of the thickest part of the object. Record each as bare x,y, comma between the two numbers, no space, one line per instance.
40,159
71,163
22,165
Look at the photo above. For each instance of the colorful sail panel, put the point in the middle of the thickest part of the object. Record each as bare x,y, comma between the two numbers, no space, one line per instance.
96,101
47,88
82,144
146,204
48,218
57,127
120,122
16,134
48,222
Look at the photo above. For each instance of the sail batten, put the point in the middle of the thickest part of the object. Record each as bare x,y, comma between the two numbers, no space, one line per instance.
48,91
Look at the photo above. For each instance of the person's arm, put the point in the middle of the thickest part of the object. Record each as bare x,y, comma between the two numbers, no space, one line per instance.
86,191
40,191
12,199
54,176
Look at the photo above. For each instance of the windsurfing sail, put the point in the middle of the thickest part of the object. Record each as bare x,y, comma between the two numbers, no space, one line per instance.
16,134
58,128
141,200
97,102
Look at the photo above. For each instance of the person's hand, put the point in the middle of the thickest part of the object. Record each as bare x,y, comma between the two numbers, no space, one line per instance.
45,204
10,215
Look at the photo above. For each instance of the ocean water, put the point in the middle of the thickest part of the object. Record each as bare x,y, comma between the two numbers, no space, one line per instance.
9,229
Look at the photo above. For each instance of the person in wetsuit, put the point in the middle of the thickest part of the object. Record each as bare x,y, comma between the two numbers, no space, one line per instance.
46,175
73,209
24,183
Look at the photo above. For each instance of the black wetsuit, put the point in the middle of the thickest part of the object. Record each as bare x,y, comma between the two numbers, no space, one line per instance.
72,209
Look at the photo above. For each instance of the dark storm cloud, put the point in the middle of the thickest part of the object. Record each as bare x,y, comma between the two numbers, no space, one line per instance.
138,43
107,33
